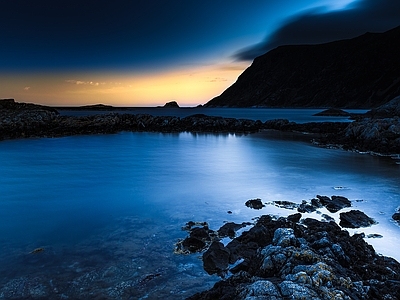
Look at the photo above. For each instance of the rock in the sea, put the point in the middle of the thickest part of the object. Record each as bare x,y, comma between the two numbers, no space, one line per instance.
396,217
333,112
335,203
254,203
355,219
216,259
171,104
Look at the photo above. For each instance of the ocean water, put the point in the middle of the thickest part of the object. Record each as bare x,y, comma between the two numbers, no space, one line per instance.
107,209
262,114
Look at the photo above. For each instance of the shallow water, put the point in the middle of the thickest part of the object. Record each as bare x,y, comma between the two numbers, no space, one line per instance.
107,209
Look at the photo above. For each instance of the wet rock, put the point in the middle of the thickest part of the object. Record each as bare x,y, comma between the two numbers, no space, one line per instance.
229,229
355,219
396,217
199,238
294,218
216,259
305,207
285,204
254,203
282,259
335,203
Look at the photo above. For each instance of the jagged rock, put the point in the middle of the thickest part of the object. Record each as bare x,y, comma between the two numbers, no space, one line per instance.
335,203
229,229
285,204
387,110
355,219
316,260
216,259
254,203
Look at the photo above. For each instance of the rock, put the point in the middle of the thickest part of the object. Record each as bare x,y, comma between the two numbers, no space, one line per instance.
333,112
254,203
305,207
335,203
313,260
216,259
199,238
285,204
172,104
355,219
396,217
387,110
229,229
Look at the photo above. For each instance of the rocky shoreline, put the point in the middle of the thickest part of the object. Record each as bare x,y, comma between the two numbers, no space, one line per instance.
294,257
366,134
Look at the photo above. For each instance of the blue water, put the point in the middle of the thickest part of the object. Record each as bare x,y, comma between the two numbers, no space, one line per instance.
107,209
262,114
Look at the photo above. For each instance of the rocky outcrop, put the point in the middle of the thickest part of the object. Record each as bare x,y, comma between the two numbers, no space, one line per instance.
377,135
388,110
355,219
287,259
362,72
171,104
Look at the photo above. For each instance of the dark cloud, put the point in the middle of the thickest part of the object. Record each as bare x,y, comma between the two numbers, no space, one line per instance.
320,26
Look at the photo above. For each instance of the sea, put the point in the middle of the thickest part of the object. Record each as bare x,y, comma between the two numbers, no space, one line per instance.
98,216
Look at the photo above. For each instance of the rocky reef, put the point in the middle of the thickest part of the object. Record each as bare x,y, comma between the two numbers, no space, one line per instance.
295,258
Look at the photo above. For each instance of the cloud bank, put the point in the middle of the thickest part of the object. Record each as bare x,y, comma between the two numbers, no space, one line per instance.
320,26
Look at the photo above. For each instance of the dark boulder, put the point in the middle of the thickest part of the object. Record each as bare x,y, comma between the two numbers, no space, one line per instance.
355,219
396,217
216,259
335,203
229,229
254,203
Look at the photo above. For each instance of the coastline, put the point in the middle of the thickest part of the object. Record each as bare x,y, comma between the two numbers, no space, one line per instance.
21,120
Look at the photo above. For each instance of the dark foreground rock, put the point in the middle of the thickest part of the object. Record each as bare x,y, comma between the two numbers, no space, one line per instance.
284,259
355,219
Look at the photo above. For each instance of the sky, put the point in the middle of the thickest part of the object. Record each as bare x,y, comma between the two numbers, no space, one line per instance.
147,53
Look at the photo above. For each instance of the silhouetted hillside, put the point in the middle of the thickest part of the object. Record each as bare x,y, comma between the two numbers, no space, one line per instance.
363,72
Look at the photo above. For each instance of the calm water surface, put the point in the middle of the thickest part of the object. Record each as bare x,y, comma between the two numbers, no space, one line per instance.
262,114
107,209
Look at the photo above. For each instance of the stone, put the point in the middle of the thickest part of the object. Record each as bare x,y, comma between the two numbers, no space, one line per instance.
335,203
355,219
254,203
216,259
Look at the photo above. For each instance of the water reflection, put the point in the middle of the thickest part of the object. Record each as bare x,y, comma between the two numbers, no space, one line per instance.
108,208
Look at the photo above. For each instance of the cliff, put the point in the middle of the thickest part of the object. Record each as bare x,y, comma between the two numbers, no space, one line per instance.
363,72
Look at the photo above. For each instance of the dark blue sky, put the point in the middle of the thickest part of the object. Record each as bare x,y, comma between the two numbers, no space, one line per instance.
134,37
